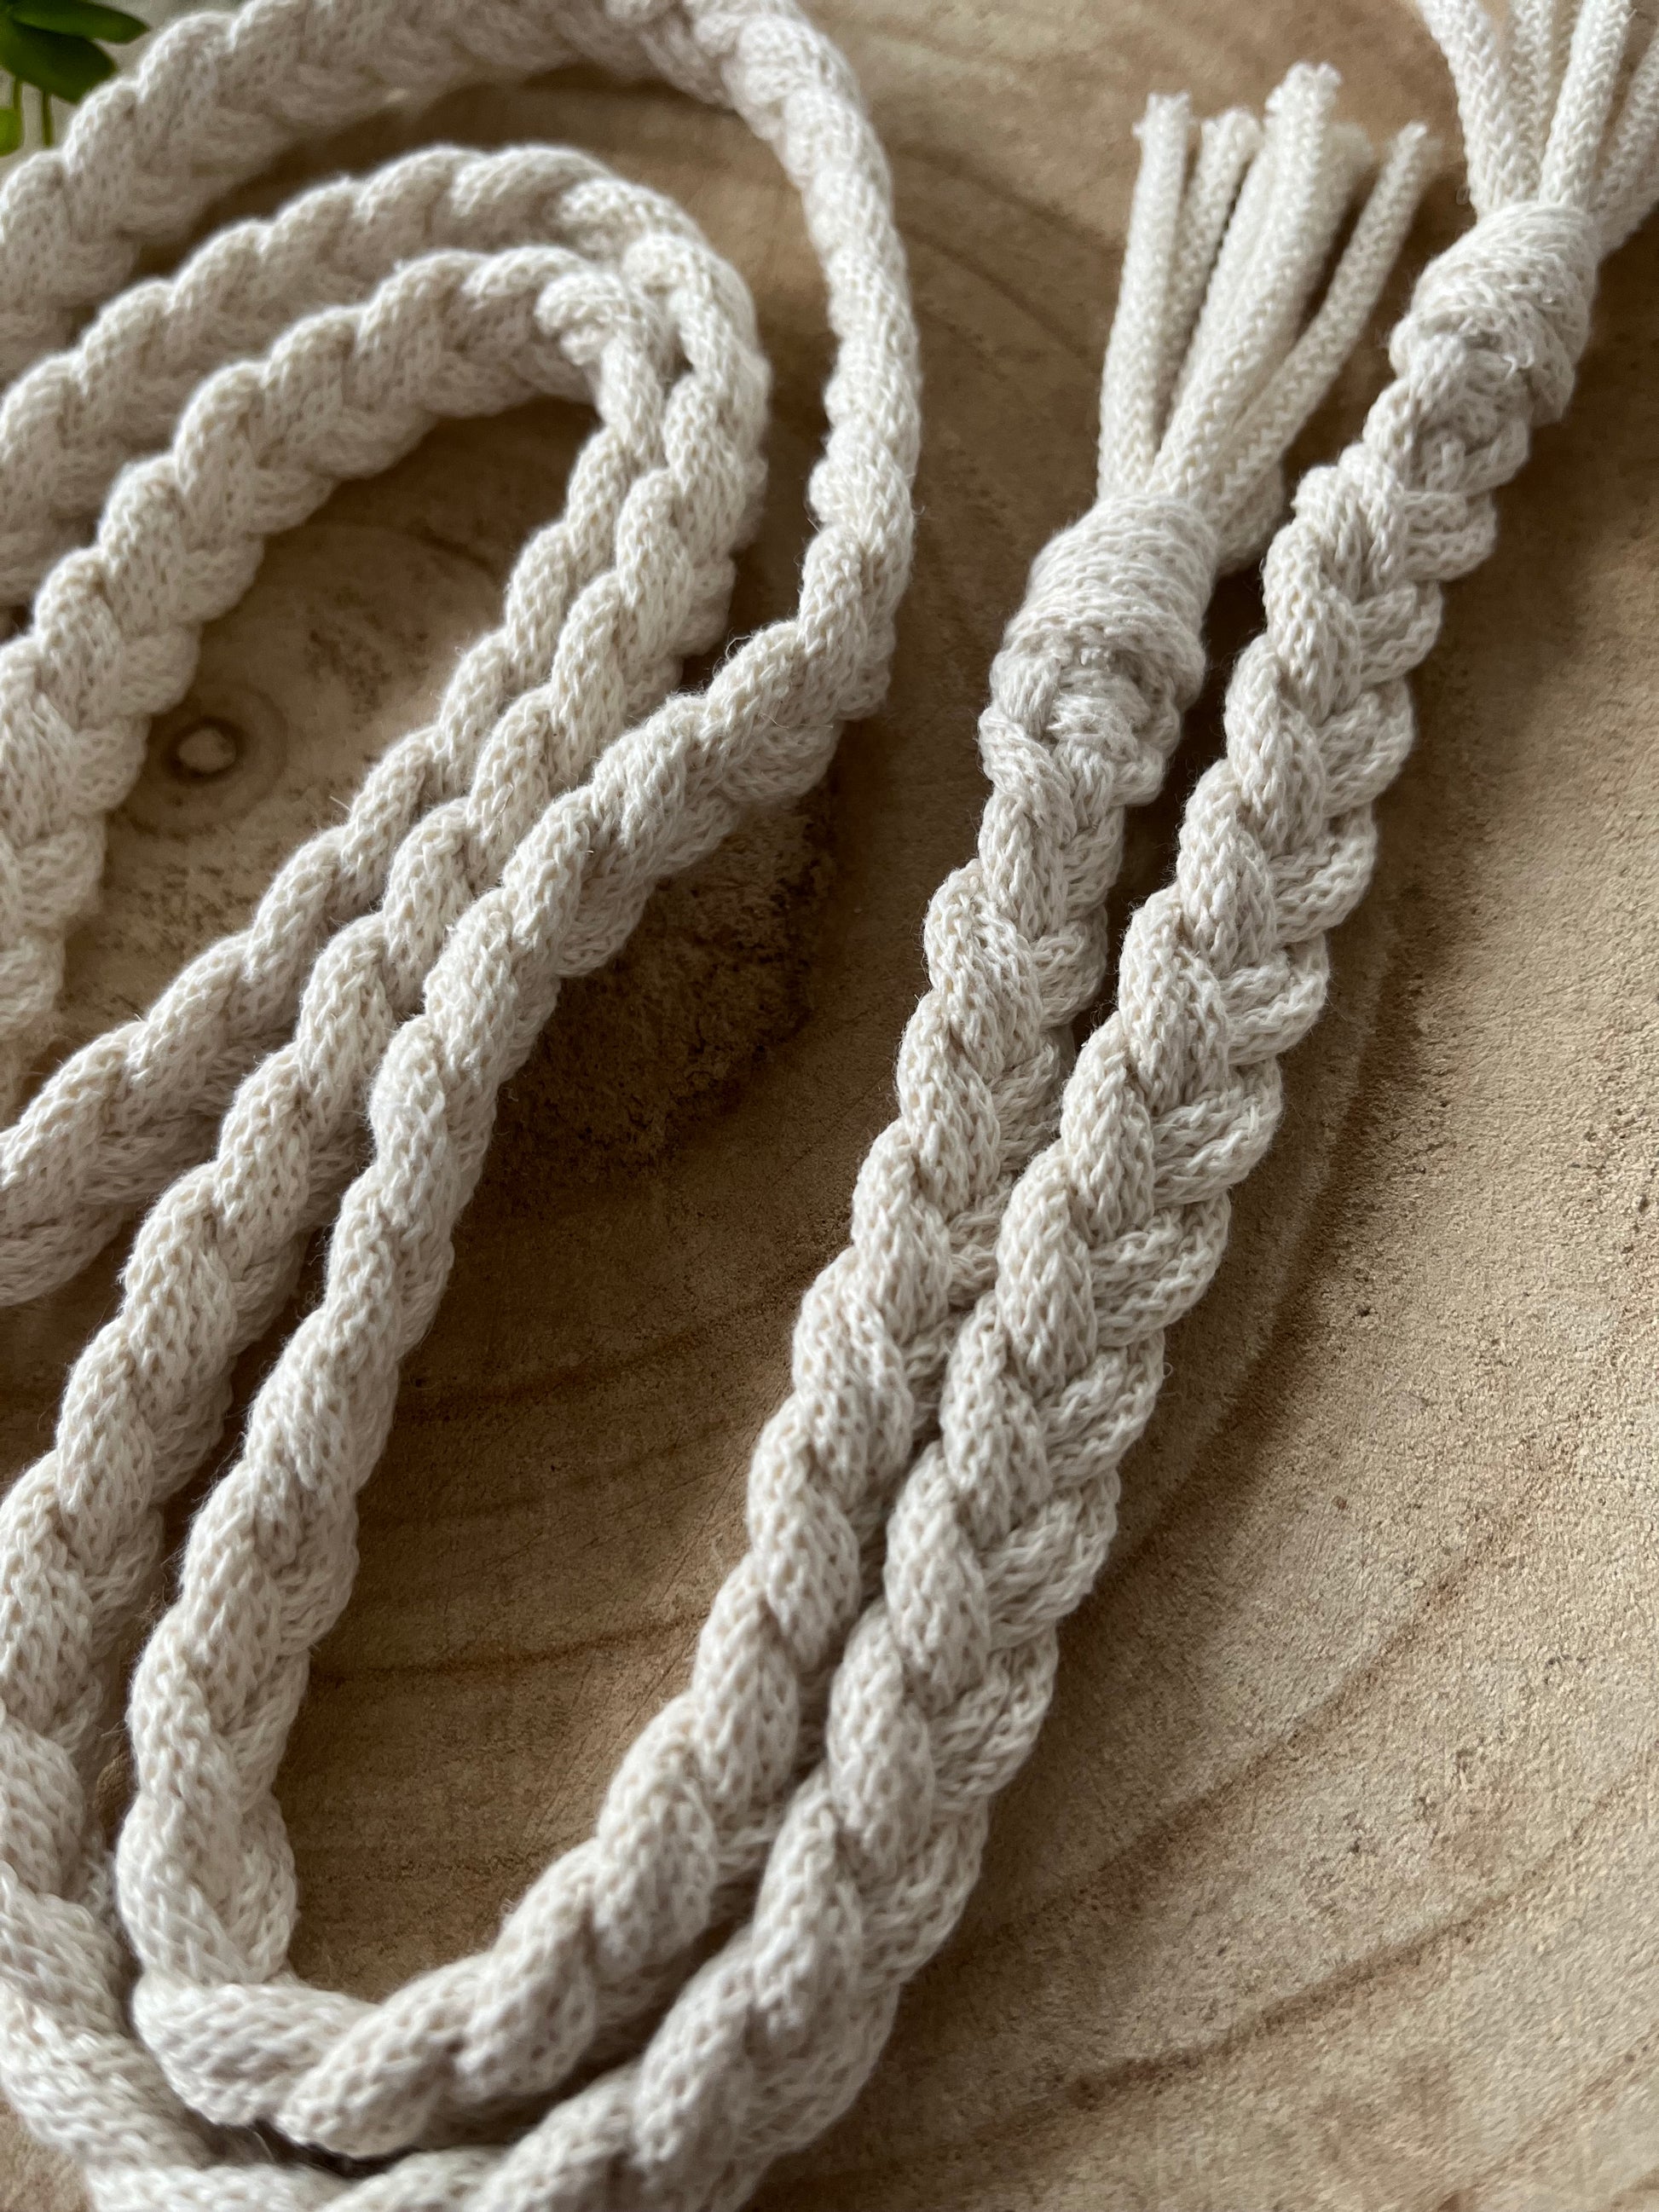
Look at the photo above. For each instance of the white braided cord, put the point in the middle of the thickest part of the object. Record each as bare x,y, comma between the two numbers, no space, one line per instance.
632,294
968,1375
601,609
1086,708
1116,1229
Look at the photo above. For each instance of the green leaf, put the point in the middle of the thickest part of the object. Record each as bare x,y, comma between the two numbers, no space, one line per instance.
11,130
79,19
66,68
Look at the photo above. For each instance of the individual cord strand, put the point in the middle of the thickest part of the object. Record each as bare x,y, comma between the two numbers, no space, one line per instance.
106,2098
142,1101
1117,1230
1086,708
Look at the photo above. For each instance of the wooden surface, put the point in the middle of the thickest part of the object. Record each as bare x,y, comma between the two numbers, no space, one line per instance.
1331,1883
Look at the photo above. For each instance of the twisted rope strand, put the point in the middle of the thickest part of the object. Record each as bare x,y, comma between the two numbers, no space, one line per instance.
131,1109
215,99
72,421
128,1106
1086,708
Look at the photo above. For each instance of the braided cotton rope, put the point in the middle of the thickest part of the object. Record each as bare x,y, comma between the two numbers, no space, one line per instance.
1233,409
207,106
1116,1229
616,295
1110,1233
601,609
210,1895
620,295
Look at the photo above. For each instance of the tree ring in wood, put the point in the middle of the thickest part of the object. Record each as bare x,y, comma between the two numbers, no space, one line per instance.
208,762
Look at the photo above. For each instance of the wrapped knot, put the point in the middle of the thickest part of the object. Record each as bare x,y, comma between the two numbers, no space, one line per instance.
1518,289
1131,579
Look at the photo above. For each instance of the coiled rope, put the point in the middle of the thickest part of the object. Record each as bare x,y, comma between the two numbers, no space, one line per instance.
967,1375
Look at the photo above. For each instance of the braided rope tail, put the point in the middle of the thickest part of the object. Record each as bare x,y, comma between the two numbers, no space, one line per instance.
1117,1230
1211,372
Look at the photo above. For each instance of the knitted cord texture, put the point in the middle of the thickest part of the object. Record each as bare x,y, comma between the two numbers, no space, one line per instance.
1003,1516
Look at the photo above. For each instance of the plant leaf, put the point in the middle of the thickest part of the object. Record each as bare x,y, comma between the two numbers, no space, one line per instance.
79,19
11,130
66,68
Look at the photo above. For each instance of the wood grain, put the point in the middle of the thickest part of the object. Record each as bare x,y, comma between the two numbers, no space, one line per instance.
1331,1883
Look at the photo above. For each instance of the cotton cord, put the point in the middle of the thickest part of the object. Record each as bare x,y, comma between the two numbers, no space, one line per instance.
1111,1231
632,311
1292,202
143,158
1113,622
623,303
1116,1229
